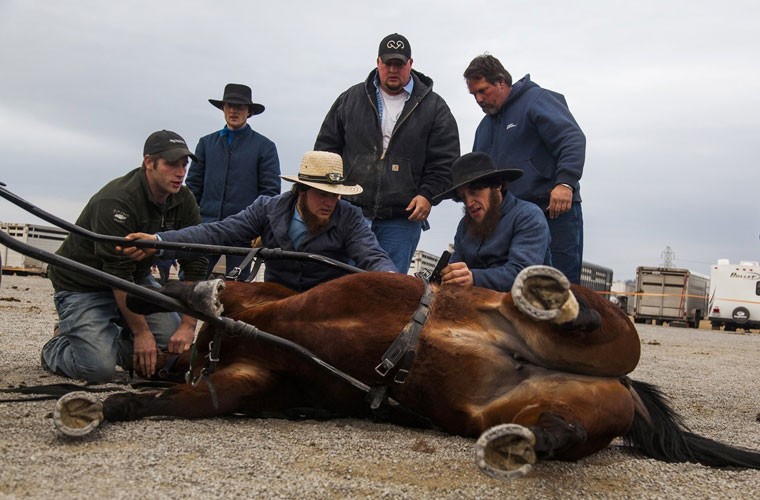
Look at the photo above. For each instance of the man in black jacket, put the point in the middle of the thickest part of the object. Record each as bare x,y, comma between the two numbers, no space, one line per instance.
398,140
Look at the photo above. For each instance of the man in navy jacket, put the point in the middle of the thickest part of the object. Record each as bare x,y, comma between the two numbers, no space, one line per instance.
532,129
499,235
234,165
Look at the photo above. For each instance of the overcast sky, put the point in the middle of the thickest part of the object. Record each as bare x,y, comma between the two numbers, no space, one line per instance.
667,93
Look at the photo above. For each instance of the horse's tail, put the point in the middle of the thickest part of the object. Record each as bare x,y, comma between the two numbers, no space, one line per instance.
662,435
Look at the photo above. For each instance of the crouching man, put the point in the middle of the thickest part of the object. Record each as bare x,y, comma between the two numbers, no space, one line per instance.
499,235
96,331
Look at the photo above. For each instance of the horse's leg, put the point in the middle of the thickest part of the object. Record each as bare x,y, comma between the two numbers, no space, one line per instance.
569,327
551,417
236,387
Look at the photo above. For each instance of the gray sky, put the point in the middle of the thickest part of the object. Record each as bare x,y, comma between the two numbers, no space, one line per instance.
666,91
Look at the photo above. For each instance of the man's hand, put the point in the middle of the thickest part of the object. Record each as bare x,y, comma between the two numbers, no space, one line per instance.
456,273
135,253
183,336
145,354
420,208
560,201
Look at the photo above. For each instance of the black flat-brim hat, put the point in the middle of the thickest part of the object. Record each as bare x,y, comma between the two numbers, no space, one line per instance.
235,93
474,167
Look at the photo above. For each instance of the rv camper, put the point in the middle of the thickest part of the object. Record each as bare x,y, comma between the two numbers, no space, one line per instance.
735,295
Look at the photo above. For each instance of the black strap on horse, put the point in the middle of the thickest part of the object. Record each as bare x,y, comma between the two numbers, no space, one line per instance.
403,348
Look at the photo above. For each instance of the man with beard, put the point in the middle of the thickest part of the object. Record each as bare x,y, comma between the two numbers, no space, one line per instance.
310,218
499,235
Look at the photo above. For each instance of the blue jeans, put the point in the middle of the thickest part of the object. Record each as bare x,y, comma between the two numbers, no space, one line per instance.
399,238
93,338
567,242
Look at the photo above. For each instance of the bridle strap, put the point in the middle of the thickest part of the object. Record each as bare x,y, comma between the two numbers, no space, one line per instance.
403,348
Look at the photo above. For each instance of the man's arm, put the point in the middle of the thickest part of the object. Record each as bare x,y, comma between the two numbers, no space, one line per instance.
562,136
442,150
145,348
361,243
145,351
331,136
527,247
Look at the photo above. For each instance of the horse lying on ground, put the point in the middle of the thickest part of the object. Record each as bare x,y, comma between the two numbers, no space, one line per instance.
536,373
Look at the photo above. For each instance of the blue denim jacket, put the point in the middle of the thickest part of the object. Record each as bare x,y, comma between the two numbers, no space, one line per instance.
346,237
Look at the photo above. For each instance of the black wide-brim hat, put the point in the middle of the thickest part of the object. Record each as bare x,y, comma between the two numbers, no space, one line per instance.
235,93
474,167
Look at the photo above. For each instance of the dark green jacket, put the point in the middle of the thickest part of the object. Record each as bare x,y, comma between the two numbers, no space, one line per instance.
121,207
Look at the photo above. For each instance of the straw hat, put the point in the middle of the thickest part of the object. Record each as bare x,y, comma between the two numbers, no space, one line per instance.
324,171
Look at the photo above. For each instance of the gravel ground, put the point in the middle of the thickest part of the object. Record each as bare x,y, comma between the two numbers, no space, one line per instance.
711,377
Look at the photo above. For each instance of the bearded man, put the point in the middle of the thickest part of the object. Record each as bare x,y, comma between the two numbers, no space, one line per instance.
499,234
311,218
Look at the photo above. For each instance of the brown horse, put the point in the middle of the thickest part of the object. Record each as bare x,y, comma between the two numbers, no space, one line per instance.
538,372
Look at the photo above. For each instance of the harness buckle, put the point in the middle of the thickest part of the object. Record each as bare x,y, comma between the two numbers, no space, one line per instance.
401,375
384,367
211,357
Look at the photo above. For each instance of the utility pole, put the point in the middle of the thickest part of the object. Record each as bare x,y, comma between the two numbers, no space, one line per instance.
668,255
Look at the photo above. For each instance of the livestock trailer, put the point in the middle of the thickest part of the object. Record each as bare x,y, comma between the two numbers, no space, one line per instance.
735,295
596,277
47,238
669,295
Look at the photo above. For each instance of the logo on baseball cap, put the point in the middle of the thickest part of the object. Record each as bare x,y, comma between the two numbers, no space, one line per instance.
168,145
395,46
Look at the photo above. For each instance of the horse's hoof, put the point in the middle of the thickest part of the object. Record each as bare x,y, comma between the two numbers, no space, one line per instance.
543,293
205,297
506,451
77,414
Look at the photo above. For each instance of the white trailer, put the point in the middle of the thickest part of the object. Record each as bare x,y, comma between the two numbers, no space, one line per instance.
46,238
735,295
668,295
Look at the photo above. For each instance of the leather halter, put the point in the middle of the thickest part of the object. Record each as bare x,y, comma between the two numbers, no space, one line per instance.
405,345
402,349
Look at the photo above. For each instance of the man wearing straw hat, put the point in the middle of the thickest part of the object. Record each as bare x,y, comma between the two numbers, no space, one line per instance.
499,235
234,165
310,218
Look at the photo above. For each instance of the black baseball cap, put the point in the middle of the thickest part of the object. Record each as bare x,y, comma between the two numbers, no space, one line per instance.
168,145
394,46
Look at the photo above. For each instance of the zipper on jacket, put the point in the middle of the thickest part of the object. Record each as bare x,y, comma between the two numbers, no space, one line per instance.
396,127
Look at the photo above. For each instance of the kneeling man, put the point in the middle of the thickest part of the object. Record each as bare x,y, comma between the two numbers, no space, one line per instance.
499,235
